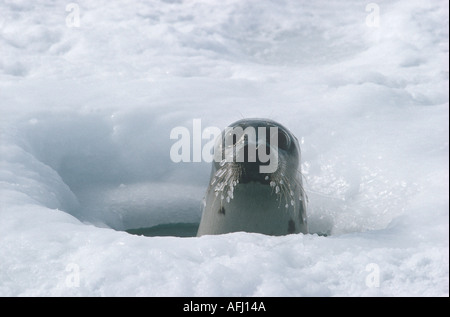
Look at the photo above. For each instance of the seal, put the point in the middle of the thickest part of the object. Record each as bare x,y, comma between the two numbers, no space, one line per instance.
256,183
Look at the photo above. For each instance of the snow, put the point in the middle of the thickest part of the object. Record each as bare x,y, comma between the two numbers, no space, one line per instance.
86,113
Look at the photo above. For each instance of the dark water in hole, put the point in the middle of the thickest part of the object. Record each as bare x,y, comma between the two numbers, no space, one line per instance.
177,230
169,229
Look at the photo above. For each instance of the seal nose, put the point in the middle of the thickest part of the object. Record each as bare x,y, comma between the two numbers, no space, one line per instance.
252,154
251,164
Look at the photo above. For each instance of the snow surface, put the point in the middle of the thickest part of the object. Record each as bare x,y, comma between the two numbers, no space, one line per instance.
85,118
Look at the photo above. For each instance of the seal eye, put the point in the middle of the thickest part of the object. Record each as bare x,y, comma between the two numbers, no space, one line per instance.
284,141
230,138
234,139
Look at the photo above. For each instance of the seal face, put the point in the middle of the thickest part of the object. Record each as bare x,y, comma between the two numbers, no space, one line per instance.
255,183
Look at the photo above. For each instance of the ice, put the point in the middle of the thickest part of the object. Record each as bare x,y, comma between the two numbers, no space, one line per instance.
86,114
